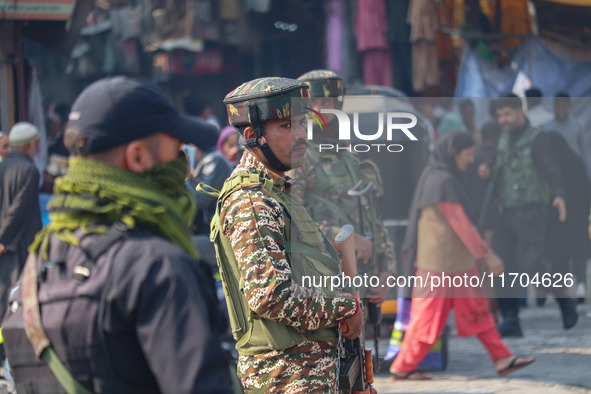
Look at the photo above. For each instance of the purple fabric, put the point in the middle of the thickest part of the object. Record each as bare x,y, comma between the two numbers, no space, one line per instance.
224,134
335,34
377,68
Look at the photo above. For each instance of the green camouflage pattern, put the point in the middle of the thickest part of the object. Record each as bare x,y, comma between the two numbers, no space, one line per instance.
329,175
324,83
521,183
272,97
254,223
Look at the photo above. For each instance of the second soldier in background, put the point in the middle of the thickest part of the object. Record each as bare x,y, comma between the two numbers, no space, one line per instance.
324,180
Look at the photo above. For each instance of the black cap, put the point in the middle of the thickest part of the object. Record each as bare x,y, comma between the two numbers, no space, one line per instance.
117,110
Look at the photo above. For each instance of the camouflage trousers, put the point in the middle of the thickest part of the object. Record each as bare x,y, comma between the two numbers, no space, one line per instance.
310,367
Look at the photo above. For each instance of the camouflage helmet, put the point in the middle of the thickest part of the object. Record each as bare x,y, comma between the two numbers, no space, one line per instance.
325,83
263,99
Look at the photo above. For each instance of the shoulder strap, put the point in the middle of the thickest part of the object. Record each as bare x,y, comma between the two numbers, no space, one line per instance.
36,333
32,315
206,189
300,248
351,167
334,208
103,243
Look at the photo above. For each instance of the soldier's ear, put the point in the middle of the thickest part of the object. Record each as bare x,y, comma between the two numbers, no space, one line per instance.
248,133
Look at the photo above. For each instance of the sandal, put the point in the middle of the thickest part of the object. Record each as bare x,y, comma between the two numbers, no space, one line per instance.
514,365
409,376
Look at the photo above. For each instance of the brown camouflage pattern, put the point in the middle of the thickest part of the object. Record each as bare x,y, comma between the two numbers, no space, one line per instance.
309,367
254,223
272,97
323,83
310,180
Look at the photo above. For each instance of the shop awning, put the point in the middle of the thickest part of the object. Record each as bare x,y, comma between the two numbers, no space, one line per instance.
40,10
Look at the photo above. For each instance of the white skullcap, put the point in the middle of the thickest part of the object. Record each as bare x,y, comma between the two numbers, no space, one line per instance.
21,133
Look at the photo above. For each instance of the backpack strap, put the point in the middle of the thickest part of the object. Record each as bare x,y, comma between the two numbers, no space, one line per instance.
117,232
36,333
31,311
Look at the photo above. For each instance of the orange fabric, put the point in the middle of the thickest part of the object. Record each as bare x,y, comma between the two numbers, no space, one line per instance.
515,19
427,321
463,227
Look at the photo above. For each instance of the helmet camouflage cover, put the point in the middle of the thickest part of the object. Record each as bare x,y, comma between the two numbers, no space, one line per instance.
324,83
271,97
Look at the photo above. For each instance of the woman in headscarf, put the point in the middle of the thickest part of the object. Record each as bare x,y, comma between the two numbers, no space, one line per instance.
228,144
442,236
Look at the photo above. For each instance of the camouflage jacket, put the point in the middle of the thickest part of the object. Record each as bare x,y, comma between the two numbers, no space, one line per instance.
321,185
254,223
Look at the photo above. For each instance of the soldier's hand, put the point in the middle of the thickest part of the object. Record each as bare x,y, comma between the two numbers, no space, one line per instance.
2,249
363,248
561,206
494,263
377,295
353,325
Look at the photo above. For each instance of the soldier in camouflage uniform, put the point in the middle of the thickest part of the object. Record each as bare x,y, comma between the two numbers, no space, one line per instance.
286,334
323,180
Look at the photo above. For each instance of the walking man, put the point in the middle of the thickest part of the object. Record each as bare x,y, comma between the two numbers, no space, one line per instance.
20,213
529,179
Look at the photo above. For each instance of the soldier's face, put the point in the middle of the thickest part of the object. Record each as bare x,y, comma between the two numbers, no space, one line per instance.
287,139
319,103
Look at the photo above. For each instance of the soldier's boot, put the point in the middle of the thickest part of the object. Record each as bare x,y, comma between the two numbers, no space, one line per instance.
568,309
510,326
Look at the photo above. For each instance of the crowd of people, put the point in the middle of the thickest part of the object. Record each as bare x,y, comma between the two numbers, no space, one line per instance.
155,204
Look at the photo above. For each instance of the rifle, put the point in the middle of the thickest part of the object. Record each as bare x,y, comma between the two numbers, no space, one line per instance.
374,313
356,369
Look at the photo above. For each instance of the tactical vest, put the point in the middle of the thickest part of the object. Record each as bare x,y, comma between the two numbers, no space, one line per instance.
310,255
520,184
28,362
335,175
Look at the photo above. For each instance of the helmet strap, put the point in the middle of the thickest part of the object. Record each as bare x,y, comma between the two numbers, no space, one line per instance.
257,128
270,156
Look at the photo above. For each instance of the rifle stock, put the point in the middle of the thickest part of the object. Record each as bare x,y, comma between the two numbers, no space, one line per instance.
355,374
345,246
374,312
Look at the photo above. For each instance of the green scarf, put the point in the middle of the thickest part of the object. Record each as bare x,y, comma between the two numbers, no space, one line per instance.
93,192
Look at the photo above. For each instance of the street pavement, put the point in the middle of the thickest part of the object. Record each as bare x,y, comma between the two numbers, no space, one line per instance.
563,359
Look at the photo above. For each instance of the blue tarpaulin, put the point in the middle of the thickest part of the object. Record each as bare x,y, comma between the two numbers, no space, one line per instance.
547,69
